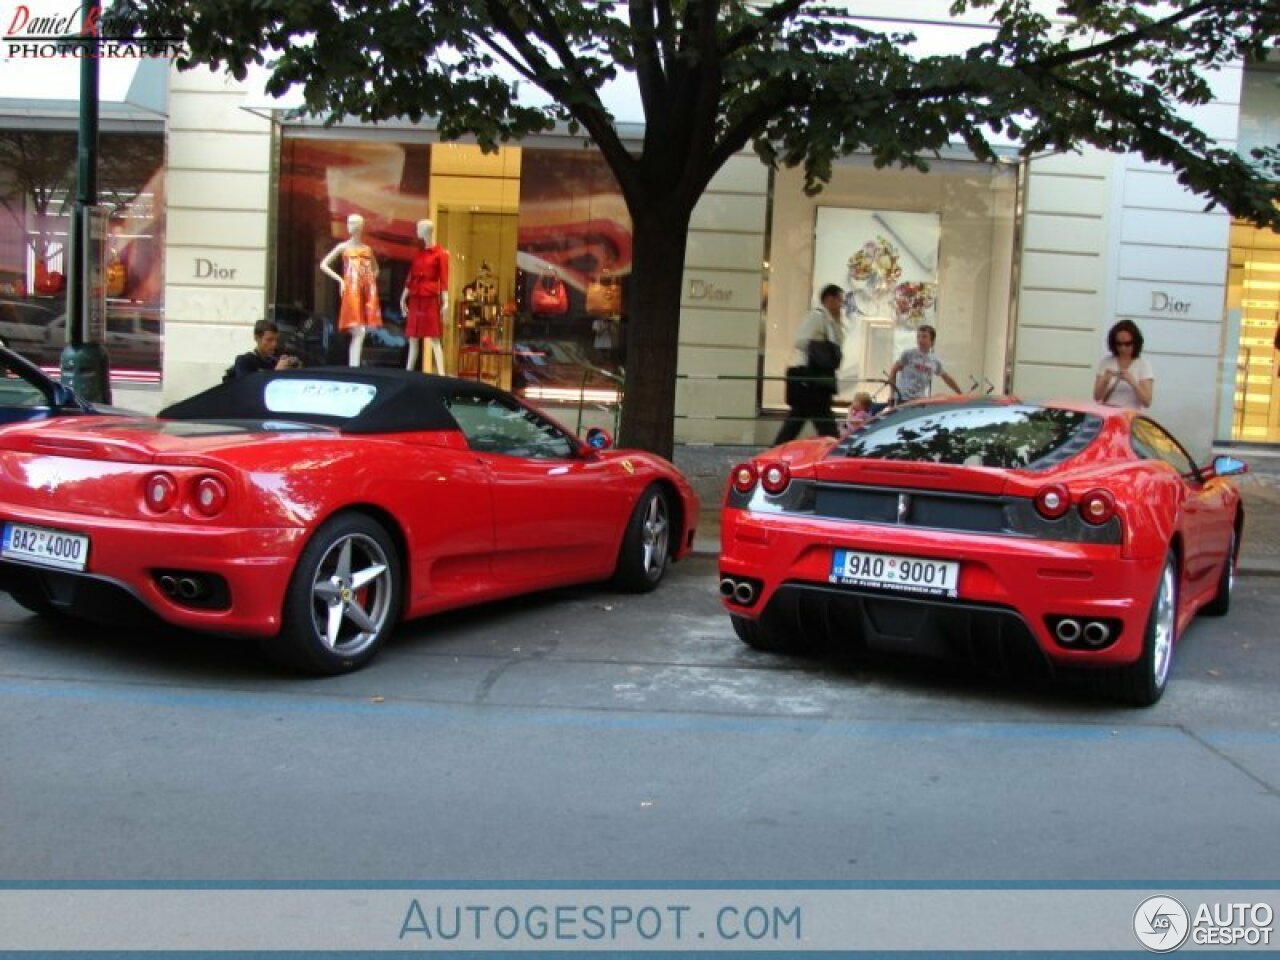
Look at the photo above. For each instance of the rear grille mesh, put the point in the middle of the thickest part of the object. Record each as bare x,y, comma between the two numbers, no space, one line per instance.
926,510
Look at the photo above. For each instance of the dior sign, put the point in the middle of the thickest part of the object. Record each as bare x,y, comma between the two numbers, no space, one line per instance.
702,290
1161,302
207,269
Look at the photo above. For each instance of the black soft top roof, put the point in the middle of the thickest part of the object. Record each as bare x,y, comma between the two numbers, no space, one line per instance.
404,401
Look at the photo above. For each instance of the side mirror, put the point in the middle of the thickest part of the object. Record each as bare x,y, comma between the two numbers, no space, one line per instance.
1225,466
63,396
598,439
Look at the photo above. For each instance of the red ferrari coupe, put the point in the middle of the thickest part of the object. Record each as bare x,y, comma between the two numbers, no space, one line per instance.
1082,536
315,508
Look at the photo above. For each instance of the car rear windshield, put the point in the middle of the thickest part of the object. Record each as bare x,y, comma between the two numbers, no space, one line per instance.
985,434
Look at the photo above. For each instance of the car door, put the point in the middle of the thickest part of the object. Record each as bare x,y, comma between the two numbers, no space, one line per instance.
555,517
1204,532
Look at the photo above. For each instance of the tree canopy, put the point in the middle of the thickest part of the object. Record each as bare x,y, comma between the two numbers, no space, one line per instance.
801,83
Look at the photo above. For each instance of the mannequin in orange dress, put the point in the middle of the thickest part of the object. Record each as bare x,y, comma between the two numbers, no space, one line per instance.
426,299
357,286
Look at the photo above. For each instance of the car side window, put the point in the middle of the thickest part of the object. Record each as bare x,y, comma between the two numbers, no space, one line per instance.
1152,442
15,391
497,425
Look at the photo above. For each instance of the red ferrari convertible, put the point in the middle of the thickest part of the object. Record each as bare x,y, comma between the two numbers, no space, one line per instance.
1078,535
315,508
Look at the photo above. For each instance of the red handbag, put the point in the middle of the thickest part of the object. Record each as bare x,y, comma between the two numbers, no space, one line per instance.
550,298
48,282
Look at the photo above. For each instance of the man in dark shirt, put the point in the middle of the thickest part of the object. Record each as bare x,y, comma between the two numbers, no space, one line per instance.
266,336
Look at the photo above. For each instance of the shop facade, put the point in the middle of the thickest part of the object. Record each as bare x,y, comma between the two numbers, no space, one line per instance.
38,153
1020,266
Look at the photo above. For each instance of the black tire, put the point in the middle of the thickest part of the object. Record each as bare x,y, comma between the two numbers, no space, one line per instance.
343,598
1221,602
755,636
646,545
1143,682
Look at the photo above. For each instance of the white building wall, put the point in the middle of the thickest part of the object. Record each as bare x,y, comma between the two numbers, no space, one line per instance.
720,308
1062,275
218,181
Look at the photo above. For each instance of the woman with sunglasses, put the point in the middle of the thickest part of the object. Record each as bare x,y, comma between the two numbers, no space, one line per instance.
1125,378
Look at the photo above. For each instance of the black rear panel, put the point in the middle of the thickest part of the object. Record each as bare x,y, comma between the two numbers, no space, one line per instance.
925,509
844,619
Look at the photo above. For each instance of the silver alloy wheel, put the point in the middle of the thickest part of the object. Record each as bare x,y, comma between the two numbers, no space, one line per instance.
655,535
1165,616
351,594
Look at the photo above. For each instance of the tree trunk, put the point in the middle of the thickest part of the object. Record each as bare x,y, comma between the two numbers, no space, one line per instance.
660,235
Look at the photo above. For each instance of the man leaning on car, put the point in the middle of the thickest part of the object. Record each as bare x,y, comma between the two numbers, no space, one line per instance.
266,336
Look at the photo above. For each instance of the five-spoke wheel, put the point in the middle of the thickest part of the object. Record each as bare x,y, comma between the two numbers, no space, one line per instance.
344,597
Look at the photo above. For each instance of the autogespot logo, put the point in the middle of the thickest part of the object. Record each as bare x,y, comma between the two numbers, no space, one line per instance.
1161,924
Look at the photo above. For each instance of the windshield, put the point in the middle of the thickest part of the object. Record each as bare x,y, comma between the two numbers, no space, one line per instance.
975,435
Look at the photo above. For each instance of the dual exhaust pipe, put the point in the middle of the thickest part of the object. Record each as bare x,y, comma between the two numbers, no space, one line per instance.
181,588
1092,633
742,592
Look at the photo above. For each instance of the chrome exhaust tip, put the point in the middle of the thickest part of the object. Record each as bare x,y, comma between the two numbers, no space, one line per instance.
727,587
1068,630
744,593
189,588
168,584
1096,633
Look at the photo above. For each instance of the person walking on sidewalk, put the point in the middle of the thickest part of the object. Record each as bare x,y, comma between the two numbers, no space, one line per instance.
811,400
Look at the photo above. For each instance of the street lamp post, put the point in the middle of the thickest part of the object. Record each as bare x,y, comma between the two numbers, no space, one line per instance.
84,362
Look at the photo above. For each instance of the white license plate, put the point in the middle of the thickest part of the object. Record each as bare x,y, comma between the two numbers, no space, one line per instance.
934,578
49,548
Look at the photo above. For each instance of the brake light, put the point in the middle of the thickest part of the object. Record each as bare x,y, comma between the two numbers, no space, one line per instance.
1097,507
160,492
1053,501
210,496
775,477
744,477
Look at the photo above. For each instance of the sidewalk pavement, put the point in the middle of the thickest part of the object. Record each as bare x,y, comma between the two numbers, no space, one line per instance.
1259,552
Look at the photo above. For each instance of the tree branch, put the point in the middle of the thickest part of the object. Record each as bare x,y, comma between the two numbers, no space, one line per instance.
749,34
650,77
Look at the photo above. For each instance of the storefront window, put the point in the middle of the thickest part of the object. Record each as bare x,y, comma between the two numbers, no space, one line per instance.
37,191
574,271
908,249
539,246
1253,309
1252,340
322,183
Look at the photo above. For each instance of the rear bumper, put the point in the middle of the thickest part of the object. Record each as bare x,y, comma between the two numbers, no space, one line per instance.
1007,586
119,578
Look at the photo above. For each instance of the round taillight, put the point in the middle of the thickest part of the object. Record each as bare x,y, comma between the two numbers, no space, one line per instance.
210,496
774,477
1097,507
161,492
744,477
1053,501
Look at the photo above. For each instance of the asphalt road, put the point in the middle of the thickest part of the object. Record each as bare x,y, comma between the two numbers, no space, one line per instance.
589,736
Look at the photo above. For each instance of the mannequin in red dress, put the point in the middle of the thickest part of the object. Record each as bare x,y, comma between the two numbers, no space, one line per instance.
426,299
357,285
